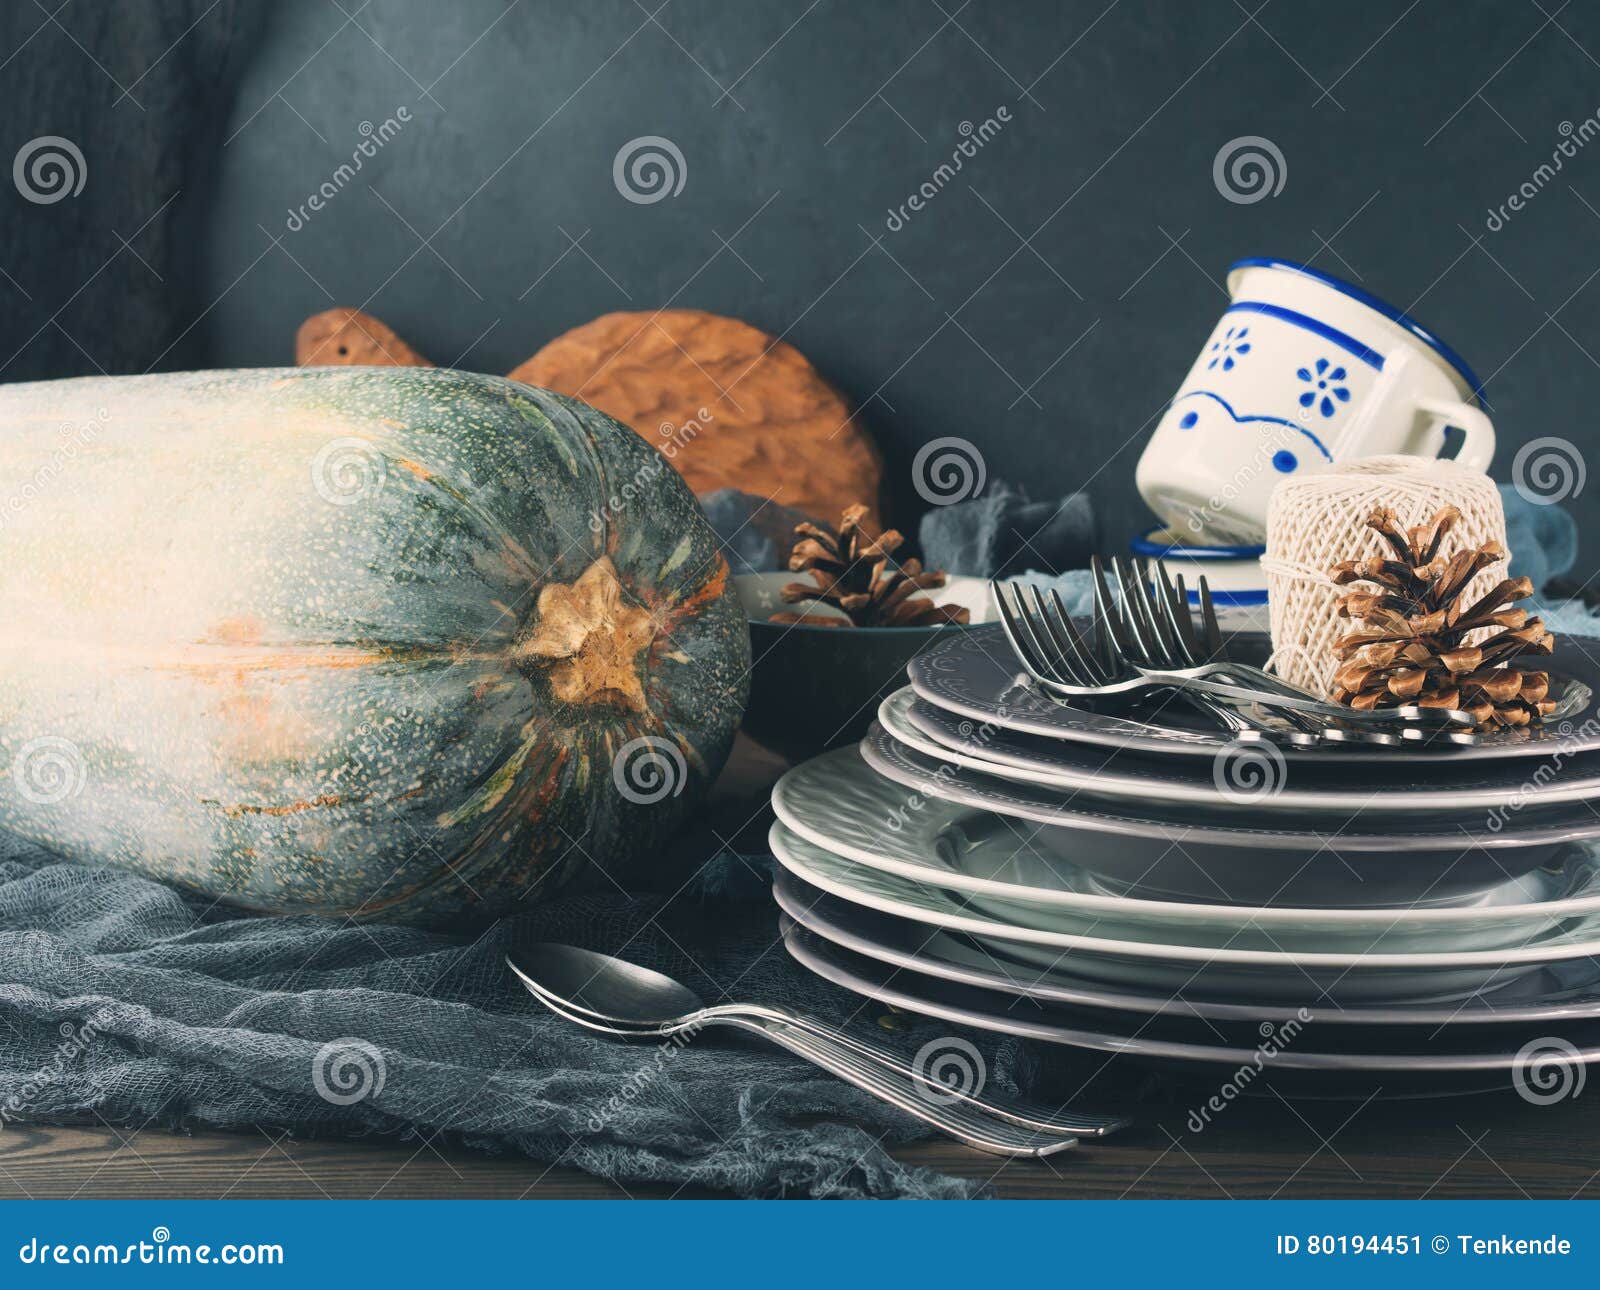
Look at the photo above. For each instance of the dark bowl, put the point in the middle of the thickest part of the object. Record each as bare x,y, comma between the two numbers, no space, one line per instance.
815,688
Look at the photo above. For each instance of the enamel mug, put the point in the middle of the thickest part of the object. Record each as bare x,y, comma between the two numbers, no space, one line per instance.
1302,370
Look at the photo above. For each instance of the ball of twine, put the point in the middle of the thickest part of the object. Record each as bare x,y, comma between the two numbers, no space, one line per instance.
1316,521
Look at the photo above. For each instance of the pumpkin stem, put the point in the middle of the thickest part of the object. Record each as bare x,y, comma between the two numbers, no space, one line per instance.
585,640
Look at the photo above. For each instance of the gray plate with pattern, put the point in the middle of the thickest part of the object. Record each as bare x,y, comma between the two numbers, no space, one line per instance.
1547,996
1200,854
1498,788
977,676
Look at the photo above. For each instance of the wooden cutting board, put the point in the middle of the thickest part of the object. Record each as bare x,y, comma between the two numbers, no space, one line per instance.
731,405
350,338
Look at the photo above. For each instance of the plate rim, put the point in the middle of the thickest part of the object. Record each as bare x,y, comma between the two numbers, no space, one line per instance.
1160,910
1139,1046
1206,956
1207,745
978,797
1091,994
1284,799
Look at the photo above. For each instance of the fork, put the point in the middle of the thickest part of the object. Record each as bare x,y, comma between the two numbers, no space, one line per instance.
1177,651
1064,662
1065,665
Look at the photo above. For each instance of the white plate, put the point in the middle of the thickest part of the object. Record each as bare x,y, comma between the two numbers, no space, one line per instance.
838,804
1232,573
1251,858
1549,996
1252,973
1488,788
1289,1053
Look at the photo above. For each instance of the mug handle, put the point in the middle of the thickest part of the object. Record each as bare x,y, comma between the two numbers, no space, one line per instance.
1476,431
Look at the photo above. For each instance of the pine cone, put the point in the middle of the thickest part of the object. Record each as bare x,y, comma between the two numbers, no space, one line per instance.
854,573
1411,645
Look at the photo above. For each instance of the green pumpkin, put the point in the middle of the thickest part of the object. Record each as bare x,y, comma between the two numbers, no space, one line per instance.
404,644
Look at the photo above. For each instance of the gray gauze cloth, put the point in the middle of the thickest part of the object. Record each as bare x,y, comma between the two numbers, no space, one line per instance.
1002,533
127,1002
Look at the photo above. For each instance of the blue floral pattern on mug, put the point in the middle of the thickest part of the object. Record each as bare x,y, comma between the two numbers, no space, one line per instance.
1232,347
1325,385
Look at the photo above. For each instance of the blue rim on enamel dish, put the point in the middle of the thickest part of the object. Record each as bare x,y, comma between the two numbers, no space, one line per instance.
1396,316
1143,545
1231,599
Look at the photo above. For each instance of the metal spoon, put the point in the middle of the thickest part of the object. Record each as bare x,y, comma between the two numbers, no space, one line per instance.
624,995
981,1132
616,997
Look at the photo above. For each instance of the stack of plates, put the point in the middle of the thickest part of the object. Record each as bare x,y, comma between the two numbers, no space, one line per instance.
1339,919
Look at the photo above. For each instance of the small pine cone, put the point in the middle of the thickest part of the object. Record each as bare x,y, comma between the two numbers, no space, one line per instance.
857,575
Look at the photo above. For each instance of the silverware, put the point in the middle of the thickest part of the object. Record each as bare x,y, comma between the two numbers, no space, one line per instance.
622,994
618,998
1202,655
1066,665
1178,651
1150,642
1154,635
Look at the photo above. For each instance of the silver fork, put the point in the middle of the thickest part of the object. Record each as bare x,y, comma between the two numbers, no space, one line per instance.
1064,664
1155,635
1181,652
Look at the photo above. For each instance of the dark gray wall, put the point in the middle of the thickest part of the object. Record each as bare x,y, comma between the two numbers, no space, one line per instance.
802,126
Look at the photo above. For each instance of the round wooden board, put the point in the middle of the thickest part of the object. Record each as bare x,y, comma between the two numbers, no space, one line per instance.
763,419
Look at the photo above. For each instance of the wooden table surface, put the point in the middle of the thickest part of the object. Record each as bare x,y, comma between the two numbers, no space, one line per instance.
1447,1148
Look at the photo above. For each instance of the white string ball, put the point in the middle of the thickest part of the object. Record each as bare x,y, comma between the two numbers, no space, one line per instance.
1315,521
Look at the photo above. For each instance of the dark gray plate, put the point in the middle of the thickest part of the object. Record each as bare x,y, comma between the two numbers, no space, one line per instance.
1209,855
978,677
1482,787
